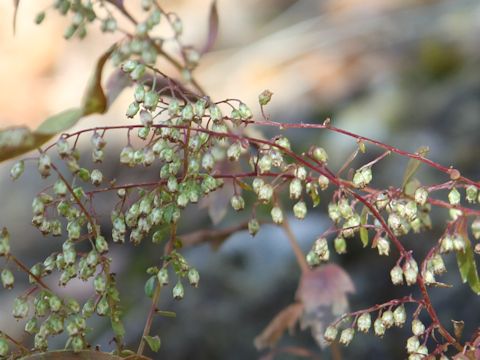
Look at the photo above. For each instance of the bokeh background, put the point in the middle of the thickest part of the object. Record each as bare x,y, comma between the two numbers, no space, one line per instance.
403,72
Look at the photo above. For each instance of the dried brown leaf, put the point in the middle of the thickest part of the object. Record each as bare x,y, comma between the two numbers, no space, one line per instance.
285,319
323,292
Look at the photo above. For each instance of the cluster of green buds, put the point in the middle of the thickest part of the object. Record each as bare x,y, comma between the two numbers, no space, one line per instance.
409,272
386,319
160,277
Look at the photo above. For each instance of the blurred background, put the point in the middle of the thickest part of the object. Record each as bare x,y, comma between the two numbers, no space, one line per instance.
403,72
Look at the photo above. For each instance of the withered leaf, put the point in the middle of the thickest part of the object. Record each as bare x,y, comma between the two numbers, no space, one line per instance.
285,319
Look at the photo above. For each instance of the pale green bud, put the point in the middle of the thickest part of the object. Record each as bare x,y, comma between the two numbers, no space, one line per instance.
387,319
471,193
253,227
265,193
412,344
295,188
346,336
178,291
277,215
379,327
454,197
417,327
399,315
193,277
476,228
340,245
7,279
237,202
396,274
320,154
323,182
300,210
20,308
265,97
17,170
364,322
383,246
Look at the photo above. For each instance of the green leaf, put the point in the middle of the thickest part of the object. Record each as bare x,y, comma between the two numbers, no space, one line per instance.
59,122
94,100
153,342
413,165
164,313
363,231
466,261
150,286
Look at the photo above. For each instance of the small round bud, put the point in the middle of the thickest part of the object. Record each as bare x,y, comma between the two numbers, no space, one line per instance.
44,165
323,182
334,212
410,271
313,259
417,327
17,170
399,316
20,308
471,193
340,245
265,193
454,197
193,277
379,327
253,227
421,196
300,210
387,319
162,277
178,291
362,177
96,177
234,151
364,322
265,164
7,279
138,73
295,189
330,333
320,154
277,215
151,100
346,336
265,97
381,201
237,202
383,246
412,344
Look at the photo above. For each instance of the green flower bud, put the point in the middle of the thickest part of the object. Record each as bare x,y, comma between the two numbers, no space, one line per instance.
253,227
36,272
265,97
471,193
396,274
7,279
410,271
320,154
17,170
320,248
20,308
208,162
383,246
417,327
295,188
178,291
421,195
31,326
177,26
454,197
364,322
126,155
237,202
412,344
265,163
300,210
244,111
334,212
277,215
215,112
99,284
151,100
362,177
102,306
146,118
138,73
234,151
345,209
193,277
73,228
346,336
88,308
387,319
313,259
162,277
40,342
78,344
44,165
187,112
458,243
446,244
428,277
96,177
265,193
199,108
109,25
139,93
340,245
55,303
399,316
330,333
379,327
70,31
323,182
40,17
132,109
129,66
